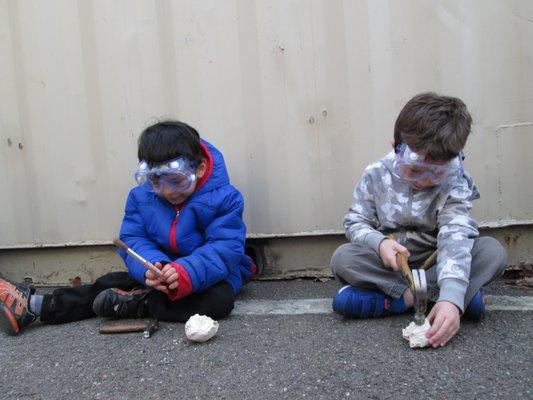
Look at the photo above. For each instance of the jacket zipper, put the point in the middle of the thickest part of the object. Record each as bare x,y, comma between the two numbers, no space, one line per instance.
172,239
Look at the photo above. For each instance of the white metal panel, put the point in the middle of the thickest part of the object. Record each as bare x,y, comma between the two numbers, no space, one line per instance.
299,95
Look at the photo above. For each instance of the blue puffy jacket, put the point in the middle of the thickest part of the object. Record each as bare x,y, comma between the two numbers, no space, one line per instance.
203,239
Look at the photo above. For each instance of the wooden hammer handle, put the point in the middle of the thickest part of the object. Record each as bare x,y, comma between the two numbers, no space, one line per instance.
430,260
147,264
119,243
401,260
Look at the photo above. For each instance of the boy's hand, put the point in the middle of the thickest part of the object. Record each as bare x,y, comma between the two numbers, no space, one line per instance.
445,320
154,281
171,276
388,250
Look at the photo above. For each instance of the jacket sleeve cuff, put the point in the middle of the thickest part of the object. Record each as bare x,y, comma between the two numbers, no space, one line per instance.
184,283
374,239
453,290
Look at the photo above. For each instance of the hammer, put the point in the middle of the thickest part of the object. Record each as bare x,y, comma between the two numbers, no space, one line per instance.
146,264
416,279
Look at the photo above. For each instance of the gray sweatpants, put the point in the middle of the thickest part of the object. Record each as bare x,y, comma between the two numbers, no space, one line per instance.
361,267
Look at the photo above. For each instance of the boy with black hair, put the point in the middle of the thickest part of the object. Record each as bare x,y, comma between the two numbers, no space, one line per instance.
185,217
422,194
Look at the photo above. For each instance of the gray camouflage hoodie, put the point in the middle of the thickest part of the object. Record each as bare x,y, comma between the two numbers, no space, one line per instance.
435,217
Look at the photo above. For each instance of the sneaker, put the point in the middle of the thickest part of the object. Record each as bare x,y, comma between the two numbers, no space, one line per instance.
117,303
475,310
355,303
14,311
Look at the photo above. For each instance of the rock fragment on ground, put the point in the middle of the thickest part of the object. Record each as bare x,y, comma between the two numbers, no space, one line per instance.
200,328
416,334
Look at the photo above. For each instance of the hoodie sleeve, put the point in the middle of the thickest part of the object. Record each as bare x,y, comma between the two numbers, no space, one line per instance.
223,248
361,222
457,231
133,233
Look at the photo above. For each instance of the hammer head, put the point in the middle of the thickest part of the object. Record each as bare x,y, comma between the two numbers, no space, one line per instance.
420,295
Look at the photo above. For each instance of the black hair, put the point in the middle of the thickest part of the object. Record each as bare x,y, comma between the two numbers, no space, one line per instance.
167,140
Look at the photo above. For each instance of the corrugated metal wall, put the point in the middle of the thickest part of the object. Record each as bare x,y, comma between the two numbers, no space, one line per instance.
299,95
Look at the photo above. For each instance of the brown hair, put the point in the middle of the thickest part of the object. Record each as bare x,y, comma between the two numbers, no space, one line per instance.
437,125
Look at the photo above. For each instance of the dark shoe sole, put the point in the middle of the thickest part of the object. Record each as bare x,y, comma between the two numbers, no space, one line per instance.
8,323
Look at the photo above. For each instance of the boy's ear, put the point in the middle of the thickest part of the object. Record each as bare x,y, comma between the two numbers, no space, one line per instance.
201,168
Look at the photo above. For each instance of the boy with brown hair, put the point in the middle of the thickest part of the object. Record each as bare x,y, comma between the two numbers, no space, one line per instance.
422,194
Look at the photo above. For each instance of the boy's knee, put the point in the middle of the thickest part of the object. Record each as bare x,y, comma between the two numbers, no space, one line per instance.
118,279
494,252
222,302
339,257
223,309
347,255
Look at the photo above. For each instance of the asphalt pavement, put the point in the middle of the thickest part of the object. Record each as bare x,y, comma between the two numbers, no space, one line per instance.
313,356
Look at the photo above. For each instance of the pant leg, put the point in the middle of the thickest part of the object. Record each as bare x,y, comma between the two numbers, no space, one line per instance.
489,260
215,302
76,303
361,267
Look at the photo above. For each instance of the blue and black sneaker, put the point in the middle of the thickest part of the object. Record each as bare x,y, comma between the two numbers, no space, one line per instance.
354,303
475,310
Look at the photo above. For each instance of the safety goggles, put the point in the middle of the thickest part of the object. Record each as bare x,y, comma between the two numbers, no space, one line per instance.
412,167
178,175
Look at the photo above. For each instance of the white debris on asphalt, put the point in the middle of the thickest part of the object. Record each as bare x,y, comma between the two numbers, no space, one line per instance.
200,328
416,334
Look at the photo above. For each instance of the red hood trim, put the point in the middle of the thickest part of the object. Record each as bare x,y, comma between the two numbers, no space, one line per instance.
209,169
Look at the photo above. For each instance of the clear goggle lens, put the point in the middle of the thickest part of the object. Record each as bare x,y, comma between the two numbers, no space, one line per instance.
412,167
177,175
